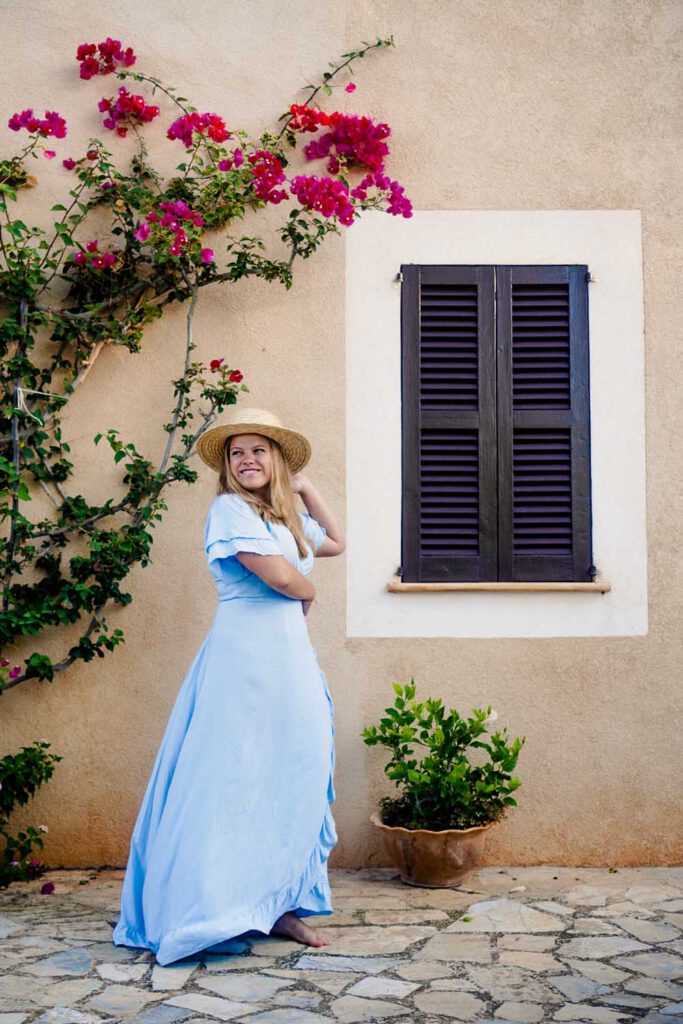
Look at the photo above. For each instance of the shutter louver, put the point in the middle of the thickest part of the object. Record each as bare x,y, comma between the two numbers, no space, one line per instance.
543,424
542,492
449,444
449,485
448,346
540,346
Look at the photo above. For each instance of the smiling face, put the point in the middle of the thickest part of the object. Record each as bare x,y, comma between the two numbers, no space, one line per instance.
250,461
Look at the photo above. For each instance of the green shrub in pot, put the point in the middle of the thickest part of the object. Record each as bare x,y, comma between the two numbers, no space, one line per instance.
443,789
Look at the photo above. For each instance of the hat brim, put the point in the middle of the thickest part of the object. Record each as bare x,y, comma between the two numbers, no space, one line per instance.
295,447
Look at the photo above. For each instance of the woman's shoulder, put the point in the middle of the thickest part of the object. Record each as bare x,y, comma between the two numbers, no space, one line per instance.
228,500
232,508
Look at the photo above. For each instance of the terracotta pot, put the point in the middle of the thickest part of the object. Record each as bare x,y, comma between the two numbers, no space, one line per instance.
433,859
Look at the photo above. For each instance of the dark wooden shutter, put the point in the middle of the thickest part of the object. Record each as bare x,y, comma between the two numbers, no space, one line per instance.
544,520
449,424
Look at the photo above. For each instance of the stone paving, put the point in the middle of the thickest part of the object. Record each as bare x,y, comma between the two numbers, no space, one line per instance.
511,944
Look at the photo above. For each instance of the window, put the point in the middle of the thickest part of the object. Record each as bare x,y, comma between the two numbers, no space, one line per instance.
495,423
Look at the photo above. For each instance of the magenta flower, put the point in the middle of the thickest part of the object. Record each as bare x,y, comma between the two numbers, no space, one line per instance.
352,141
184,127
397,202
206,255
142,233
69,163
14,672
51,124
47,888
350,87
126,110
110,54
268,172
79,258
324,195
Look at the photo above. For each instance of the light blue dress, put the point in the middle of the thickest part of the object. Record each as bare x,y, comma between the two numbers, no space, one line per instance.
235,826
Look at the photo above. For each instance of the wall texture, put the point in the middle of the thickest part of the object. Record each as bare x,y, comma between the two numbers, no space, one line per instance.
494,105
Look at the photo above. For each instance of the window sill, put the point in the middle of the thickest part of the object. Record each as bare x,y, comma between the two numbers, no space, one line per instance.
597,586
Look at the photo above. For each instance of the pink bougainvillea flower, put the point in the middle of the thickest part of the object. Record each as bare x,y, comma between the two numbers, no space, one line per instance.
142,233
351,87
206,255
99,261
235,377
90,67
49,154
306,119
397,202
268,172
352,142
47,888
172,215
102,58
125,111
236,160
14,672
215,364
69,163
325,195
4,663
107,184
51,125
185,127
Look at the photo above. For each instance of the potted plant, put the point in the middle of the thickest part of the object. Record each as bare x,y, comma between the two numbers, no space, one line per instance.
436,828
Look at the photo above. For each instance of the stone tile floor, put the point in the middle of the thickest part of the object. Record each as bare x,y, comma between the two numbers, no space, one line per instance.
511,944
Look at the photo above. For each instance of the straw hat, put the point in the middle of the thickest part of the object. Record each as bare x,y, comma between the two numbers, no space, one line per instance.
295,447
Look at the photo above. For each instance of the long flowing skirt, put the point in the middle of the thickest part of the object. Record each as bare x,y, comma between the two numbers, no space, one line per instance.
235,826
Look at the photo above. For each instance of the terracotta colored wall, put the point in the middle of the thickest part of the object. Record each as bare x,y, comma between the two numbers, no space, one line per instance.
494,105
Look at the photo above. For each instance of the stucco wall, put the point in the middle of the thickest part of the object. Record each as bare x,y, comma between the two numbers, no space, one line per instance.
494,105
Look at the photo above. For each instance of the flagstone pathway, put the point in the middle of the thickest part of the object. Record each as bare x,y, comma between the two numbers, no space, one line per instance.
513,944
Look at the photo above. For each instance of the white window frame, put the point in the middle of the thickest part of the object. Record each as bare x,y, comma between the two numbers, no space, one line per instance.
610,243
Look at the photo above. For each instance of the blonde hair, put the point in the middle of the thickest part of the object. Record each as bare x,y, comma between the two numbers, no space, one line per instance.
279,507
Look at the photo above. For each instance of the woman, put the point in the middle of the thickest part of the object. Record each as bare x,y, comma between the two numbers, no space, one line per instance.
235,826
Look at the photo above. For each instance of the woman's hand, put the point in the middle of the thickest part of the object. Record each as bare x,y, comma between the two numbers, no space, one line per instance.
299,482
334,542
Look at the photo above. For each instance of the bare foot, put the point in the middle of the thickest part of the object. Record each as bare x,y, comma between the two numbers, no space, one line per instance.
292,926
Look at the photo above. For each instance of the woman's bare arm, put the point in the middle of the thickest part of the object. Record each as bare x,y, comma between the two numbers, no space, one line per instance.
279,574
334,543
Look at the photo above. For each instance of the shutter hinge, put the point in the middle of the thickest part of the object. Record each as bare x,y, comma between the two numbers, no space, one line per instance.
399,277
592,571
589,277
399,571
